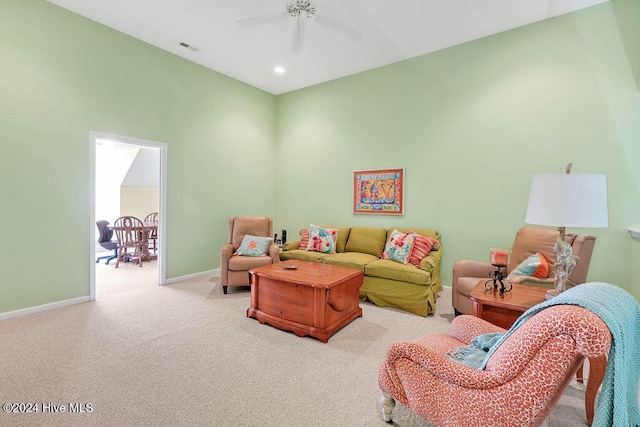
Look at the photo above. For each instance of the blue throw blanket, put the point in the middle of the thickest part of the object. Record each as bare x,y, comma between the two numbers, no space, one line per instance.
618,402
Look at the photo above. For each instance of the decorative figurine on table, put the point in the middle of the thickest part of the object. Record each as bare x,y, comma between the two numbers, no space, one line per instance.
499,259
565,262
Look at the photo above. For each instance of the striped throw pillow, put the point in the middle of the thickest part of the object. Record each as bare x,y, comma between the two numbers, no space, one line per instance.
422,245
304,239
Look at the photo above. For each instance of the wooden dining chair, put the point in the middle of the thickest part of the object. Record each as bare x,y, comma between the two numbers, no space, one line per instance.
152,235
131,239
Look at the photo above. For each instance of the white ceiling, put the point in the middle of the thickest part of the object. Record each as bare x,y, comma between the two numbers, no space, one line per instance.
348,36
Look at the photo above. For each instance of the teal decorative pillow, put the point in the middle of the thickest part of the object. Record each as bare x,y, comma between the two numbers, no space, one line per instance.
535,266
398,247
254,245
322,239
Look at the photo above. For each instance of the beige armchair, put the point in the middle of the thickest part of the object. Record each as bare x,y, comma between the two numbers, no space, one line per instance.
235,268
528,241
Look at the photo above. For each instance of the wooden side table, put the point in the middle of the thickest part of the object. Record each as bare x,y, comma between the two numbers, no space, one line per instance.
503,310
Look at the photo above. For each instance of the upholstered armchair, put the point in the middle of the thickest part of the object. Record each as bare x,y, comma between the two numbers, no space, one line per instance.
523,378
529,240
235,268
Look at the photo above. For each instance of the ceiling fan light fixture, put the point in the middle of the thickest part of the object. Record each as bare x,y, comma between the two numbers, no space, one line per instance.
301,6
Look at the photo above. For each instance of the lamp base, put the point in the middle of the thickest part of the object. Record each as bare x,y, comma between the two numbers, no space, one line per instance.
551,293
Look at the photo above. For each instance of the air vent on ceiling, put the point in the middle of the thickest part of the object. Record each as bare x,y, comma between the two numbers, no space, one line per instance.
188,46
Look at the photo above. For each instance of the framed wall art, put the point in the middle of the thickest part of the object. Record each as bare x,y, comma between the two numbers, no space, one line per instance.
378,191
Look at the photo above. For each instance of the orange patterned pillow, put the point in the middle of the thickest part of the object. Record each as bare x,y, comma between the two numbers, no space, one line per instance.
304,239
422,245
535,266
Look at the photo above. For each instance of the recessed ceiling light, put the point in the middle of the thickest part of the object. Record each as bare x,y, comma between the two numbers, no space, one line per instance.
279,70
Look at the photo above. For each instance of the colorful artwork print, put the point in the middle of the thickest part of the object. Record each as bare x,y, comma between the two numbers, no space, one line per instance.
379,191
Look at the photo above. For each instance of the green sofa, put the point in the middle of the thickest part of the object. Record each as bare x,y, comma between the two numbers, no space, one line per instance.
386,283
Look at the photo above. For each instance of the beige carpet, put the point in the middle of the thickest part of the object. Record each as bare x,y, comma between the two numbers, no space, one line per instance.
185,354
126,277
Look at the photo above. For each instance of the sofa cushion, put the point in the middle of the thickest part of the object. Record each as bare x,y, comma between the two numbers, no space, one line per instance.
367,240
343,236
355,260
244,263
302,255
387,269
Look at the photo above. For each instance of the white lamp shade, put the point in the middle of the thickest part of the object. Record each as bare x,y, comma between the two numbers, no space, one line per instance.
568,200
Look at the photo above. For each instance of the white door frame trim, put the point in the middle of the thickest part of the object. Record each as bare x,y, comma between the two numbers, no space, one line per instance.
162,216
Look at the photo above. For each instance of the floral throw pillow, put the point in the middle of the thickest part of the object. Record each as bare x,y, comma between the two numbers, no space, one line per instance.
322,239
254,245
422,245
398,247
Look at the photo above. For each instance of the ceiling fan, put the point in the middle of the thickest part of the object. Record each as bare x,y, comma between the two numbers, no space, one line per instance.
301,11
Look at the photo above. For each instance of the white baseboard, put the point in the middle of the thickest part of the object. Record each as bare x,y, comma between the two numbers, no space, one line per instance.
43,307
214,272
79,300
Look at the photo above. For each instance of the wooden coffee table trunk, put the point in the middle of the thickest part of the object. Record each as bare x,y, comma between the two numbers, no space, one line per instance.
314,299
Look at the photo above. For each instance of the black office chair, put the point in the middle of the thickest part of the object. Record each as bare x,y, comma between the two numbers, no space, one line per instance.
105,241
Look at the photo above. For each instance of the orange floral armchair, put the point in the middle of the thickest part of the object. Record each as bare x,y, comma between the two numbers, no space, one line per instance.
523,379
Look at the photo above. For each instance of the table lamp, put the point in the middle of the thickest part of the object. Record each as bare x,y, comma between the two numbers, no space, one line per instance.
567,200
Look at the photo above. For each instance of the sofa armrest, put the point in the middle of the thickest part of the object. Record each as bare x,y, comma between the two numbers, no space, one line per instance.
470,268
225,254
291,245
431,261
274,252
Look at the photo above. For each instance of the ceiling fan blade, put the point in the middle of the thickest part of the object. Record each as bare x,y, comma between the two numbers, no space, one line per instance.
263,19
298,37
338,25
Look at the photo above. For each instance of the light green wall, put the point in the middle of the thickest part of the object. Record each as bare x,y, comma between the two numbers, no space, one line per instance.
472,124
63,76
627,13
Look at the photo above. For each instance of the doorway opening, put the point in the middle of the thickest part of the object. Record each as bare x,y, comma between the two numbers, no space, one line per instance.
127,177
